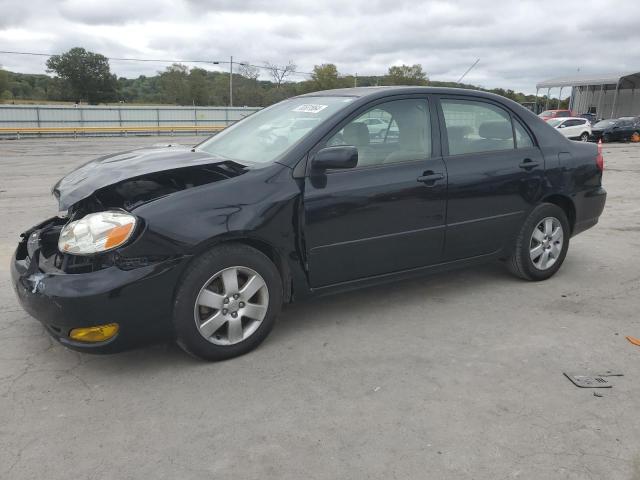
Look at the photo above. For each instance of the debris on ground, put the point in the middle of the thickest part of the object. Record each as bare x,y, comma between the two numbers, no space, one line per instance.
634,340
588,381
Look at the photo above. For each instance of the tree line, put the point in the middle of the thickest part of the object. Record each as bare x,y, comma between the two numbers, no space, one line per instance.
82,76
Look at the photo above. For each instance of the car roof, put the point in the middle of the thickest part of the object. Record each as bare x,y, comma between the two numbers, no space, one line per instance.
570,118
374,92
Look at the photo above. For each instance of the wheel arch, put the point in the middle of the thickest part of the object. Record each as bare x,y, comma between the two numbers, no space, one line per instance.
566,204
264,247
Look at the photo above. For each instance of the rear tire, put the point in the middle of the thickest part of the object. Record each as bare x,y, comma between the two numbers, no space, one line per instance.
227,302
541,245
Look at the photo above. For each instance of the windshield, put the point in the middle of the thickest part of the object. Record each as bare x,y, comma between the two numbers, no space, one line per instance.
546,113
604,123
554,123
267,134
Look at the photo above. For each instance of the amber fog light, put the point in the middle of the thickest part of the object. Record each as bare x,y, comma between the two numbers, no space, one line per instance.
99,333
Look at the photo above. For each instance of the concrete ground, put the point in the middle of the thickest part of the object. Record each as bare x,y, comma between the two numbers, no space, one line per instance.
454,376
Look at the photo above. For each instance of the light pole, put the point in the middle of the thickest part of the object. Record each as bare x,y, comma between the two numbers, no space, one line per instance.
230,62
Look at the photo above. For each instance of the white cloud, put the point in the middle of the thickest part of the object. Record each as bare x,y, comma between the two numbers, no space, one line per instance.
518,43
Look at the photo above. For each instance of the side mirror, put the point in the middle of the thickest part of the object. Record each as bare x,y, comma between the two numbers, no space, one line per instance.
344,156
562,126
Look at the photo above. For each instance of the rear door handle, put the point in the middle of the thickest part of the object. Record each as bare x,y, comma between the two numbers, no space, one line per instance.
528,163
430,178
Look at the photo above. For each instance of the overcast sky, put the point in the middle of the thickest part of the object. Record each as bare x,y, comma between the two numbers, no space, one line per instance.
518,42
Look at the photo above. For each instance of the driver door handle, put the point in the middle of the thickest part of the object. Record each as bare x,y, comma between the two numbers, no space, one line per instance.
528,163
429,178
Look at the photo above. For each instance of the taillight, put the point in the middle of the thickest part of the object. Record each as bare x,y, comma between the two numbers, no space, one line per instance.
600,158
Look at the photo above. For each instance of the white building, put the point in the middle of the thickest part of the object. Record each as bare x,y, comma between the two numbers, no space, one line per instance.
608,96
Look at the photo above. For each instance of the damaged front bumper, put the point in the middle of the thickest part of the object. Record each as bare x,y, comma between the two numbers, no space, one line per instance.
139,298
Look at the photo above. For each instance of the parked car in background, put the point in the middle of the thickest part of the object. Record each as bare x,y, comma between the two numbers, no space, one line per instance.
549,114
574,128
615,129
207,243
589,116
635,120
376,126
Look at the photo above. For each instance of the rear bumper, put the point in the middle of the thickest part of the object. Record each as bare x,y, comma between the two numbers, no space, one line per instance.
596,135
589,206
139,300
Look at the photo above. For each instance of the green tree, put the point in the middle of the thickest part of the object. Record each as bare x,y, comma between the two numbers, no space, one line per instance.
199,87
325,77
87,75
249,91
4,81
406,75
174,83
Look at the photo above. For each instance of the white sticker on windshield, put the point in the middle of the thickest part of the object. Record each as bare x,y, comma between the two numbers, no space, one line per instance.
310,108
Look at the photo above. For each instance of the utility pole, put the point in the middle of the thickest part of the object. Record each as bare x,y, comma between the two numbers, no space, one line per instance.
231,82
355,81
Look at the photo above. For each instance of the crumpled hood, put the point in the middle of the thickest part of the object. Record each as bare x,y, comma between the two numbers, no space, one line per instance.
111,169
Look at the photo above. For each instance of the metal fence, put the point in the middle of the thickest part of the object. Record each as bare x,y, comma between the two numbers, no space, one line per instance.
16,120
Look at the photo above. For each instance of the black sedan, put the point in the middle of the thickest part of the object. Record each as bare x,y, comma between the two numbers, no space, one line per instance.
206,244
616,130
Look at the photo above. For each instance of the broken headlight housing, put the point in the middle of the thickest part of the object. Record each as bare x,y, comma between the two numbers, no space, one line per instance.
97,232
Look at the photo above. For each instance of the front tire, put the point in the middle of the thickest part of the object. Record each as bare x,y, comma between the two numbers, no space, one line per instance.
227,302
584,137
542,244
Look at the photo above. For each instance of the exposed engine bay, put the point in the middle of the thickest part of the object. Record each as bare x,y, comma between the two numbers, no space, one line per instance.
40,244
133,192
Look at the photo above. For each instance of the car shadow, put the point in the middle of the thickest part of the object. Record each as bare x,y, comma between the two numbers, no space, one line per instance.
297,319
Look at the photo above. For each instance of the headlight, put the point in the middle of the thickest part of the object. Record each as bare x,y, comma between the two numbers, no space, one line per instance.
96,232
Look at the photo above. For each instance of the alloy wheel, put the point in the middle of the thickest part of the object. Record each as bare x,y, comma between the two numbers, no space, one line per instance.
231,305
546,243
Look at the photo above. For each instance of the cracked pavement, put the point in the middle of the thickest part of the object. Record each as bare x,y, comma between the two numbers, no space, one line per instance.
458,375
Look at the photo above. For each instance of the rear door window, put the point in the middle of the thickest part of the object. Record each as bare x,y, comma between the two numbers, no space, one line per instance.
475,126
523,139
